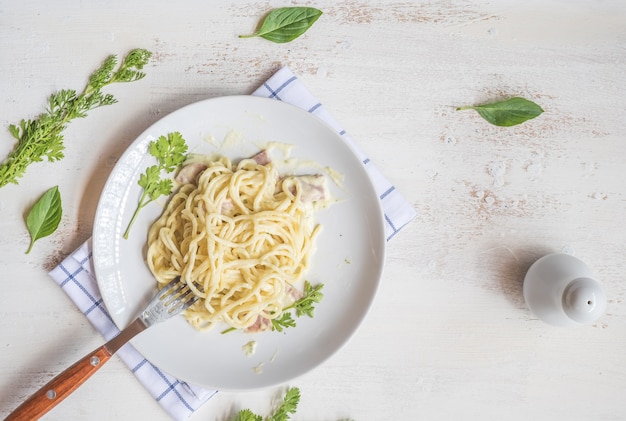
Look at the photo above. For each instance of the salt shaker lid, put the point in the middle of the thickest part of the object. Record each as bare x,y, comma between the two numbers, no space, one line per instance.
584,300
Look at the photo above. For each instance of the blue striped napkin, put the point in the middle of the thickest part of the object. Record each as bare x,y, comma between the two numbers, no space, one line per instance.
76,276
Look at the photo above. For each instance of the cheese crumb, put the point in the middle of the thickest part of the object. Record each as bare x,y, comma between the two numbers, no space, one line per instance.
259,368
250,348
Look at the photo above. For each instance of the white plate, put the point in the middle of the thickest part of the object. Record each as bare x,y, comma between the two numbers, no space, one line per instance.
349,257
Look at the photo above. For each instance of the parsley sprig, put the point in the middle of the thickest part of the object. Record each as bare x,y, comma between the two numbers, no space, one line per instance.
43,137
285,409
303,307
170,152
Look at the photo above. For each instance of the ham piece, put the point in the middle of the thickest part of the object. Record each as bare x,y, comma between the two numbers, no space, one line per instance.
190,172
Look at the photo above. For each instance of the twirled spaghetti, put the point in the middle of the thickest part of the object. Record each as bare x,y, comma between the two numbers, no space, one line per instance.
241,237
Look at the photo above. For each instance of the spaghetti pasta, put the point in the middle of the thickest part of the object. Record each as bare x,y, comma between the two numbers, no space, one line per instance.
241,237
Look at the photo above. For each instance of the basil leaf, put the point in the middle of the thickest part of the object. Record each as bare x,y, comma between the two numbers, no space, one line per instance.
43,219
286,24
507,113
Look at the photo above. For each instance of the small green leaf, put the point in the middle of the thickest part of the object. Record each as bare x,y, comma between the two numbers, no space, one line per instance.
15,131
286,24
287,407
284,321
247,415
43,219
507,113
312,294
169,151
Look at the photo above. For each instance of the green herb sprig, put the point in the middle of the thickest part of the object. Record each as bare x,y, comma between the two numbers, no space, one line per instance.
303,307
286,24
507,113
44,217
43,137
170,152
288,407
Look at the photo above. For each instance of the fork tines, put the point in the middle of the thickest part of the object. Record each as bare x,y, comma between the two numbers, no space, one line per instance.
177,296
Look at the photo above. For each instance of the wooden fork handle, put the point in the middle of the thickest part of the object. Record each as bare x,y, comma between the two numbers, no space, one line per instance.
61,386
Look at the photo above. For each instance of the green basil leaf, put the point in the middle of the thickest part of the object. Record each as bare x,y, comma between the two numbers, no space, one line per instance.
286,24
507,113
43,219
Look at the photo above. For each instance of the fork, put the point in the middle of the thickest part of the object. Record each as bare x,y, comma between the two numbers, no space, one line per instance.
171,300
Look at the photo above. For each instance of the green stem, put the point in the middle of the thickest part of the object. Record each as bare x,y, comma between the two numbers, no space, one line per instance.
30,247
140,205
230,329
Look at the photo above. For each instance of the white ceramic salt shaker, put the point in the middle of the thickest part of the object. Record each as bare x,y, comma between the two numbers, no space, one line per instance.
561,290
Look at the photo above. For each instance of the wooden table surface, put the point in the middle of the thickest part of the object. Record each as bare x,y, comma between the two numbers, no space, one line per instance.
449,336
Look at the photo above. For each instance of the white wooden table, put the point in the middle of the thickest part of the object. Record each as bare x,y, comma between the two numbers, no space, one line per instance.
449,335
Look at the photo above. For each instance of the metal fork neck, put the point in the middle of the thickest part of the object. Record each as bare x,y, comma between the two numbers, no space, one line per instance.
129,332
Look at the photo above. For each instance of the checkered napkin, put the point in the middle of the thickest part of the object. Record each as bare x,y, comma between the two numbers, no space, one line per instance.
76,274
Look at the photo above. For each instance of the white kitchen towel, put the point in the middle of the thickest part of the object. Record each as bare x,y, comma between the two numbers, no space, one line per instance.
285,86
76,276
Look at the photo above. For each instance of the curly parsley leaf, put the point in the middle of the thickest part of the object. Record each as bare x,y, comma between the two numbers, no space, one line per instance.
288,407
170,152
247,415
304,306
42,138
284,321
312,295
44,217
